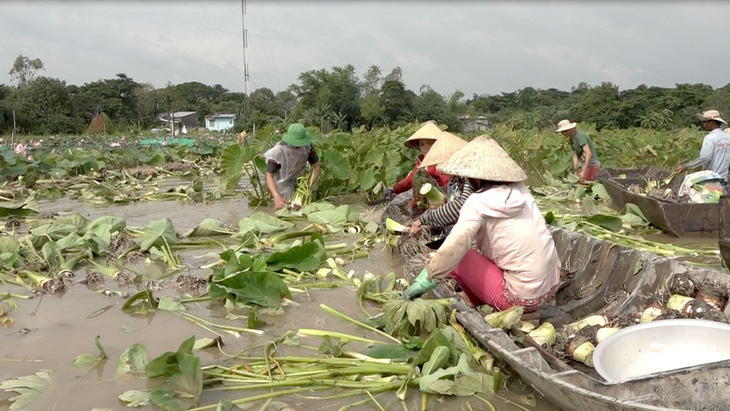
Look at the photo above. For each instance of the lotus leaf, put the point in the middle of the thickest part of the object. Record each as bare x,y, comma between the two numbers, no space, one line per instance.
260,222
301,258
158,233
337,164
209,226
133,360
28,387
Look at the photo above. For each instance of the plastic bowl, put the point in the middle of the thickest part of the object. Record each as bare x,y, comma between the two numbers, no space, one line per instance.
645,349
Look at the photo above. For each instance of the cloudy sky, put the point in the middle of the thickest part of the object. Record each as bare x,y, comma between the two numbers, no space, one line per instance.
473,46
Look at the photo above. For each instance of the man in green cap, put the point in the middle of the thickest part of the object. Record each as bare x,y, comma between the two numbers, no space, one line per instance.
287,160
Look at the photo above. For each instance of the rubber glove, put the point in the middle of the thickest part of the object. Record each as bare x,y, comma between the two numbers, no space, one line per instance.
420,286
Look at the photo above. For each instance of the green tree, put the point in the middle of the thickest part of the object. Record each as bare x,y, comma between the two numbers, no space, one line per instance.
24,69
598,105
396,100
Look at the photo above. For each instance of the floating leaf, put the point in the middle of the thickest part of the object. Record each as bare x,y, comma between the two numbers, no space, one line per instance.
169,304
158,233
209,226
260,222
28,388
133,360
135,398
261,288
606,221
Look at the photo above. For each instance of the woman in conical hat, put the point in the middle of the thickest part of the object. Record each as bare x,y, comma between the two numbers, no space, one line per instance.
423,138
516,262
458,189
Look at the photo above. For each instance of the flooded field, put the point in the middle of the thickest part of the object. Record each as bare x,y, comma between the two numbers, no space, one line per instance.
50,331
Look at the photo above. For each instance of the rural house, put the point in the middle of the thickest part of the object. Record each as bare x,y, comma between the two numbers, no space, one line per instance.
479,124
189,119
220,122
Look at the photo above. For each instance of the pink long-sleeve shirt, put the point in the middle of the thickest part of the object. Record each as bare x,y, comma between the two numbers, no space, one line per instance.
510,230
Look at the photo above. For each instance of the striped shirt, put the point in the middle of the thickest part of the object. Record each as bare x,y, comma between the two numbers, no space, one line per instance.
458,191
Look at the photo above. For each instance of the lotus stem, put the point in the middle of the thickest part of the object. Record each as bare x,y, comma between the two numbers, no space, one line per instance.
334,334
351,320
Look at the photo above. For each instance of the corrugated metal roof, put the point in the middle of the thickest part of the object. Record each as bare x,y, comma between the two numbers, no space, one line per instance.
221,115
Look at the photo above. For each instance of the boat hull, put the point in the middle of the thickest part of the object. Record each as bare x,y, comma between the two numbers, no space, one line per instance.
614,280
676,218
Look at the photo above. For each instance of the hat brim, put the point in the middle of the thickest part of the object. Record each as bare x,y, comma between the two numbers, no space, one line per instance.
414,142
718,119
565,128
298,142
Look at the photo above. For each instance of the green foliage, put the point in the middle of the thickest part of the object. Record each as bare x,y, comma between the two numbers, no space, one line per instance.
409,318
183,380
248,281
28,388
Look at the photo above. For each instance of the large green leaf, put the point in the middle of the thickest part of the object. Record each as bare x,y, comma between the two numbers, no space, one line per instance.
184,382
336,164
301,258
260,222
367,181
133,360
606,221
261,288
105,226
158,233
9,253
28,388
458,380
209,226
135,398
233,159
27,207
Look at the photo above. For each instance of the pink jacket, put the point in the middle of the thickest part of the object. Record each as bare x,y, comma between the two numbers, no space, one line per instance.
510,230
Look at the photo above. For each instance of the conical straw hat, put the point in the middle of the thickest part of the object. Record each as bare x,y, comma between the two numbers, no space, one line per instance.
442,149
429,131
483,159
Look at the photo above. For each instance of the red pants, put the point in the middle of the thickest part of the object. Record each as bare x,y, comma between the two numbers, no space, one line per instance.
592,173
483,283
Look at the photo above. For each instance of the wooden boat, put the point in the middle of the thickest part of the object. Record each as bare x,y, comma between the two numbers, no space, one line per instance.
676,218
605,278
725,230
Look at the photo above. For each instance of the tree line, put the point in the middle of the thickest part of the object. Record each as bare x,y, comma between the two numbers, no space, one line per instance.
337,98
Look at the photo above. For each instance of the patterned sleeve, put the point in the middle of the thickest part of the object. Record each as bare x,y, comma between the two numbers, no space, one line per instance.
448,213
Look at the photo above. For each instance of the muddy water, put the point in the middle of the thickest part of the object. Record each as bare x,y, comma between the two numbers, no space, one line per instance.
57,329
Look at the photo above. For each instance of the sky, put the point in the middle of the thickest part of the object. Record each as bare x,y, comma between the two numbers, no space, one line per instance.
477,47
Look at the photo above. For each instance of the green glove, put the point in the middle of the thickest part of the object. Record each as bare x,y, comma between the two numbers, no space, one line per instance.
421,285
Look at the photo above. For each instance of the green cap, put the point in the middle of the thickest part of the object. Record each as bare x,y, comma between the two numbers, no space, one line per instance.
297,135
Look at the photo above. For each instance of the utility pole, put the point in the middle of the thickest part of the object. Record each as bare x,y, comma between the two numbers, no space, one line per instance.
244,33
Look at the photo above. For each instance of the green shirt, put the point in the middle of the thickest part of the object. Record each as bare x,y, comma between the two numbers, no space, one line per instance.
581,139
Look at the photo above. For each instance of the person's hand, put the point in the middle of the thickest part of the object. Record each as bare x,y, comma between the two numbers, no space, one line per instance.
681,168
416,226
279,202
583,175
388,194
421,285
576,172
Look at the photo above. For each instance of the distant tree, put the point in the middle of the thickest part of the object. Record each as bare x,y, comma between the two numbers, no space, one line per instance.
43,107
24,70
598,105
397,102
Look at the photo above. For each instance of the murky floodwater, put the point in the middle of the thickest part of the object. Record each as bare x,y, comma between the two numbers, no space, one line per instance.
59,328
